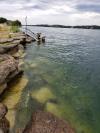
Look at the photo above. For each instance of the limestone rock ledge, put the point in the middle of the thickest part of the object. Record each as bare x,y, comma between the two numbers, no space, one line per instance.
8,70
44,122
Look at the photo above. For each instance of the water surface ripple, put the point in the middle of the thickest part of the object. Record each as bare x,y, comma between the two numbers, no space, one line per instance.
63,78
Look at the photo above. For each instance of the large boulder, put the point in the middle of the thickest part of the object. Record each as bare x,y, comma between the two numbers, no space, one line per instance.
8,69
43,122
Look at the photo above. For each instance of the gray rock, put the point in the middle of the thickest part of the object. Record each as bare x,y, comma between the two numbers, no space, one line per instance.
6,48
8,70
2,50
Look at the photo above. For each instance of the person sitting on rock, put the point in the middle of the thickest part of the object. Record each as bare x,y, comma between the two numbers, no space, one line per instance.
43,39
39,36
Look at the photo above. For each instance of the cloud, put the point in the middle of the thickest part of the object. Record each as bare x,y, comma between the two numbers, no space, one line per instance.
89,8
49,11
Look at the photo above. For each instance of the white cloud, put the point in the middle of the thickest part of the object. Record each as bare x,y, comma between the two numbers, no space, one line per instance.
66,12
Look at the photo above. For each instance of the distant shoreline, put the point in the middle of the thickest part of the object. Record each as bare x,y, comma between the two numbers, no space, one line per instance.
63,26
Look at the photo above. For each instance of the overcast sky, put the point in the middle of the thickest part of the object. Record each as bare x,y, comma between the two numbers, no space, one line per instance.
67,12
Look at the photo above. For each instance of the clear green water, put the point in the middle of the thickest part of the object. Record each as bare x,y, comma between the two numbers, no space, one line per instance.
63,78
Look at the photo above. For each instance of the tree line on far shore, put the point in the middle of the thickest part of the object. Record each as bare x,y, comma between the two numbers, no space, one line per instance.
64,26
10,22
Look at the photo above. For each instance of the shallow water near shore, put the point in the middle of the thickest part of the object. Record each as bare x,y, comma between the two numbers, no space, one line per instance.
61,76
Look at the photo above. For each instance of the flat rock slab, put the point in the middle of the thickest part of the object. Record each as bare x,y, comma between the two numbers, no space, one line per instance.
6,40
6,48
10,46
43,122
17,39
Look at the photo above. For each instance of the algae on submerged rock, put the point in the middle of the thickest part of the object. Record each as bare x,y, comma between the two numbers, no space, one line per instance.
12,97
43,94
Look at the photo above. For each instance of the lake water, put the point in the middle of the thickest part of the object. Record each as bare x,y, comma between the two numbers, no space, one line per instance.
61,76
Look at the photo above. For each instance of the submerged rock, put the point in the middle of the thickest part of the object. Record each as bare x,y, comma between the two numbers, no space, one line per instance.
15,92
4,123
12,97
43,94
43,122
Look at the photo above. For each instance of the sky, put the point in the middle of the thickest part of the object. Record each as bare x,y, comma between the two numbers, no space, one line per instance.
65,12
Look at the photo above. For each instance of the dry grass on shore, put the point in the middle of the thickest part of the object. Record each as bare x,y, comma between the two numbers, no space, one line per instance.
7,31
4,31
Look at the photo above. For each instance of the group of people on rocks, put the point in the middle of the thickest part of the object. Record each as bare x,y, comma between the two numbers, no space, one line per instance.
40,38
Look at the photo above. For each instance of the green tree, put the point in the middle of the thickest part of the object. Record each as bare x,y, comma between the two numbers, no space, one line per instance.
16,23
3,20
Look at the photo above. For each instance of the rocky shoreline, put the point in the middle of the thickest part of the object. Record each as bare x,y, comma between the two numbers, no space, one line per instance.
11,50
